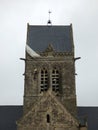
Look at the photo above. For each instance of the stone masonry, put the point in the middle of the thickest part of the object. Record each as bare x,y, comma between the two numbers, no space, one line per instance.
49,108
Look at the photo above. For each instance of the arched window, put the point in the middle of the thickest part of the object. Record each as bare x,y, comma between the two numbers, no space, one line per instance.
44,80
55,80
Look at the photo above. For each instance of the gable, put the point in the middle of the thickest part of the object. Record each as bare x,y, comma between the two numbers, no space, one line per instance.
39,37
48,105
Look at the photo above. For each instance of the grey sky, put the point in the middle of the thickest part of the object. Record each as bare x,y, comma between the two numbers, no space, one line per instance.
14,16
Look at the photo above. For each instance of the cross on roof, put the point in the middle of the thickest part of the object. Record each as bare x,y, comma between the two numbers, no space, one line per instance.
49,21
49,13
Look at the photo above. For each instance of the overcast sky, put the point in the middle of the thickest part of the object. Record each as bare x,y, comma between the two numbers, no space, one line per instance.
14,16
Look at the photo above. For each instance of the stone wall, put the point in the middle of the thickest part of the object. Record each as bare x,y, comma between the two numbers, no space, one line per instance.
65,65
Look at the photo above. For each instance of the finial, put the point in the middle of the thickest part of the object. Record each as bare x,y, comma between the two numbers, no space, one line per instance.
49,21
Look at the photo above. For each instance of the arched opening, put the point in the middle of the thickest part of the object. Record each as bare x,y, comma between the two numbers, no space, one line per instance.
44,80
55,80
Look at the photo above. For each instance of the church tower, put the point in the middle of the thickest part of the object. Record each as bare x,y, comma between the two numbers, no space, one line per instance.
49,88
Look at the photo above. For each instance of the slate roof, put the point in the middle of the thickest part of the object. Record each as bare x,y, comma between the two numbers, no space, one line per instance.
91,114
39,37
10,114
8,117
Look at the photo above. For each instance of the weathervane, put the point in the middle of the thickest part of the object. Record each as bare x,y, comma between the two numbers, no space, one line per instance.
49,21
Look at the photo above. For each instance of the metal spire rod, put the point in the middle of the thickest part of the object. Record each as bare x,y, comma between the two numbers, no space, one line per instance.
49,14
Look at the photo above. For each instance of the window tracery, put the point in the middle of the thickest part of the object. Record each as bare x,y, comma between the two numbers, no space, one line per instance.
44,80
55,80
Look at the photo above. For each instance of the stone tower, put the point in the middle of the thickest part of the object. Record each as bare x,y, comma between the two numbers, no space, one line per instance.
49,88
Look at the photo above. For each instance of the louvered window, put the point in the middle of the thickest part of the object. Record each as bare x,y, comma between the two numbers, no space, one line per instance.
55,80
44,80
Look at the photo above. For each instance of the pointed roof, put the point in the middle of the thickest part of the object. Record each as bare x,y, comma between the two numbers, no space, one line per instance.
60,37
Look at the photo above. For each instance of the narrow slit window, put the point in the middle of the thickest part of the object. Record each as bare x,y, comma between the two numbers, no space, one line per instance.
44,80
48,118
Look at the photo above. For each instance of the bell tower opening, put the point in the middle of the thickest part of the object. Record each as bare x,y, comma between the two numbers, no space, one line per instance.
44,80
55,80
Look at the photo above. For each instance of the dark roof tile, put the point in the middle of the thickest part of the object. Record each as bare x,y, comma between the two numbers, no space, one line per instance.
91,113
39,37
8,117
